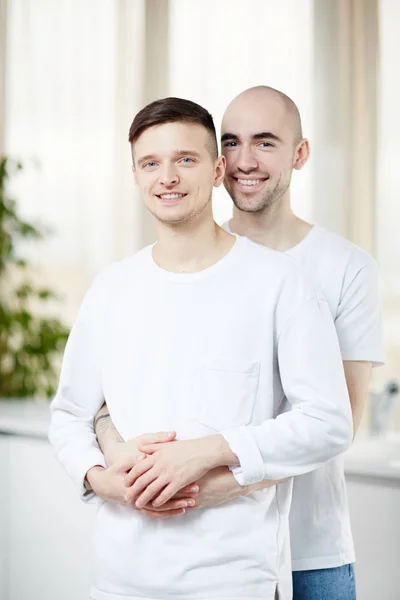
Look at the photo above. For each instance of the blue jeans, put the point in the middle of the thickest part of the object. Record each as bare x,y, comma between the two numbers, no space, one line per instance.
325,584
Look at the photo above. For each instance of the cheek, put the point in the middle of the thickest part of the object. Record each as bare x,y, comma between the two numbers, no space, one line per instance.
230,162
280,163
196,179
146,184
275,165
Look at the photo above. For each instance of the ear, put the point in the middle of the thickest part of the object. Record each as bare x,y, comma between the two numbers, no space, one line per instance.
301,154
220,165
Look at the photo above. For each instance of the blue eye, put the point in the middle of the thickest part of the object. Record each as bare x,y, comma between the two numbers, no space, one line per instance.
187,160
149,164
266,145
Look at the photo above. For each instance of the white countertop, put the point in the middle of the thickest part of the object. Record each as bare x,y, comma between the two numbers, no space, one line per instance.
369,457
25,418
374,456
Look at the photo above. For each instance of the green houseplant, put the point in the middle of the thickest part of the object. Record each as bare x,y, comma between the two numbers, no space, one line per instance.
30,340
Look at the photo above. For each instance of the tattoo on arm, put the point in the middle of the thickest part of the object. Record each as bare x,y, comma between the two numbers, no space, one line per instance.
106,433
97,419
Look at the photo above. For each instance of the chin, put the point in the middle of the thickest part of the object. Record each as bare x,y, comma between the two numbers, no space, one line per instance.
249,204
172,219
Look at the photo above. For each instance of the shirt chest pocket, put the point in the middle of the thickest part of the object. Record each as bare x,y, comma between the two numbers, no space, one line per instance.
226,393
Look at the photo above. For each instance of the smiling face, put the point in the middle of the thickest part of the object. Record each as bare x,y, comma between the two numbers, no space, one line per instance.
175,169
260,143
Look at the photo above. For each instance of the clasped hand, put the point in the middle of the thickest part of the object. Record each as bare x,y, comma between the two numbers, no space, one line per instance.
166,469
145,471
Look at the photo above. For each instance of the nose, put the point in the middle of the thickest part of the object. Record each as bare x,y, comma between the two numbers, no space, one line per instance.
169,176
246,162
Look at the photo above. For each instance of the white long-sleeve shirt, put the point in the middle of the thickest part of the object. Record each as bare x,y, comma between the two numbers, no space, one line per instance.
217,350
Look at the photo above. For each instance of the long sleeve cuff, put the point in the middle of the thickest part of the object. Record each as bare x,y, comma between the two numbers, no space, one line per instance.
93,458
243,444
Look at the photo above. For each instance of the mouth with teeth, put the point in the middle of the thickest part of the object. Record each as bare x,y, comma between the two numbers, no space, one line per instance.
171,198
250,184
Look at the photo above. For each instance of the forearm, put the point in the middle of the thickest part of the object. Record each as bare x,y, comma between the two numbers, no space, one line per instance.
245,490
358,379
262,485
108,437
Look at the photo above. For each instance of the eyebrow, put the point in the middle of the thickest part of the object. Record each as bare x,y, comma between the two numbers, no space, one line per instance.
178,153
263,135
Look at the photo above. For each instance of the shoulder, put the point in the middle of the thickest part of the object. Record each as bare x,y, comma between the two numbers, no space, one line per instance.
280,263
283,265
343,252
281,276
117,273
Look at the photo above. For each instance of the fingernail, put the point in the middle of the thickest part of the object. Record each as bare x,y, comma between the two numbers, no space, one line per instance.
190,502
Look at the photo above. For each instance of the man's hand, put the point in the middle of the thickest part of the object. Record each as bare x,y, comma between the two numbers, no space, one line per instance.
109,485
173,466
215,488
218,487
128,453
122,451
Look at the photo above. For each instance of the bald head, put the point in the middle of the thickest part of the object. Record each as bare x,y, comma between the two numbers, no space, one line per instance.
262,143
269,101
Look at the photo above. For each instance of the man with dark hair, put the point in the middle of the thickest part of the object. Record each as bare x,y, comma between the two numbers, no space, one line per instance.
173,110
201,336
262,142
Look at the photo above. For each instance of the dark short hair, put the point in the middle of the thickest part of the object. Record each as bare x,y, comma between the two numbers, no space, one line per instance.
173,110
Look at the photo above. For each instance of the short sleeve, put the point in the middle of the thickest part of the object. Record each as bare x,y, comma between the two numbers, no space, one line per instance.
359,317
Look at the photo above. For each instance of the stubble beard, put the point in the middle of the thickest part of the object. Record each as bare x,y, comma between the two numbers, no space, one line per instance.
266,200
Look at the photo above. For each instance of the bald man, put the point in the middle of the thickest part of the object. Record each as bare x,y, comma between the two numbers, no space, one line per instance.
262,142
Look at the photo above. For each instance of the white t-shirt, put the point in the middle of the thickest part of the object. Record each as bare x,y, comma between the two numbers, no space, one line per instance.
213,351
347,278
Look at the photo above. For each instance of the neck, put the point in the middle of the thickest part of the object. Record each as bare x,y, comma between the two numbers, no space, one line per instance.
191,247
276,227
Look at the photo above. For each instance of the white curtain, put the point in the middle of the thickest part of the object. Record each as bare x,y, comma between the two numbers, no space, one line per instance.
74,82
220,48
357,131
345,100
3,48
388,180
